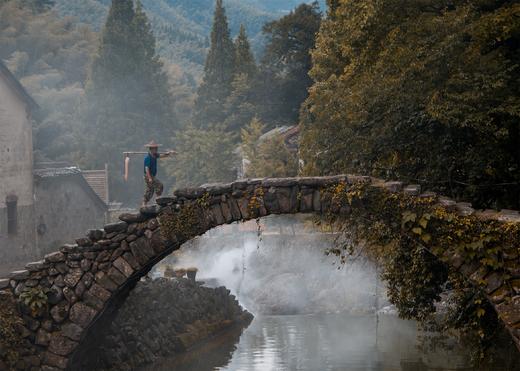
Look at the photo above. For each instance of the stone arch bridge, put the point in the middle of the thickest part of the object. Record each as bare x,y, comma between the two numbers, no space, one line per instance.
89,279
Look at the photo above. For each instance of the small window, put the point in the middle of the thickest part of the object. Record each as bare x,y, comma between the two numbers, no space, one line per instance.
12,214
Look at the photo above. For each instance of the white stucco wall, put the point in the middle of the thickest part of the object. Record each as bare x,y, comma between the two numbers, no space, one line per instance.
16,177
16,153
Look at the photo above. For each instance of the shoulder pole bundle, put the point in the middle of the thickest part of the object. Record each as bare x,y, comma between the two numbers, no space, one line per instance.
127,159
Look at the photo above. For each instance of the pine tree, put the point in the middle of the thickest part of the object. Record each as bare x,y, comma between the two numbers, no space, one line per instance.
128,102
283,80
239,107
244,60
218,72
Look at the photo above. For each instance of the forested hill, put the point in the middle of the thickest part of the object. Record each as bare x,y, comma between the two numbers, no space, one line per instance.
182,27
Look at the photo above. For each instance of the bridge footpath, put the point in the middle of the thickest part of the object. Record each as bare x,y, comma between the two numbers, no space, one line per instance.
88,280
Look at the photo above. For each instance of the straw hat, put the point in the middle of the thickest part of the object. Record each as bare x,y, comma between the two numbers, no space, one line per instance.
152,144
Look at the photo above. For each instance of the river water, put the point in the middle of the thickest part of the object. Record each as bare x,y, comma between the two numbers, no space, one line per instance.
325,342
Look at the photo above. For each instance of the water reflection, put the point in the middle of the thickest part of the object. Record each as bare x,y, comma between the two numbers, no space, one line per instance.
319,342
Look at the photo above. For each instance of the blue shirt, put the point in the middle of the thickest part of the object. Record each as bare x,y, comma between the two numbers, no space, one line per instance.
150,162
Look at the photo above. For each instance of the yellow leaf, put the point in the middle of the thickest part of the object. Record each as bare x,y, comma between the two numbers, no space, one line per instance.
426,237
417,230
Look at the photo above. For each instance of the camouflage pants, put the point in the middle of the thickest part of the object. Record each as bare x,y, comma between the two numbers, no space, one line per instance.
151,187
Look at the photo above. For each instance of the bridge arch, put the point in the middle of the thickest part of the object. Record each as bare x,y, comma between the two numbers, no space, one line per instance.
89,279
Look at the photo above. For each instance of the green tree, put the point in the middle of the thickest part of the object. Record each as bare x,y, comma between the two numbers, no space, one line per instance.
244,59
204,156
425,92
218,72
239,106
128,102
283,80
266,156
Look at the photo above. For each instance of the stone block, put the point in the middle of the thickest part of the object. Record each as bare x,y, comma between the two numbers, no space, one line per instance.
217,188
37,266
55,257
116,227
132,217
311,182
226,212
152,224
316,201
149,211
158,242
19,275
61,345
235,210
123,266
69,248
54,360
72,331
216,213
448,203
82,315
464,208
412,190
80,289
43,338
393,187
73,277
100,292
189,193
500,294
105,281
60,312
509,216
84,242
95,234
286,199
118,237
70,295
4,283
271,201
116,276
55,295
165,201
85,265
509,312
88,279
131,260
279,182
62,268
493,282
142,250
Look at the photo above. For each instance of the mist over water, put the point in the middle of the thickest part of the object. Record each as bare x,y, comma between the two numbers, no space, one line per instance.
311,313
281,270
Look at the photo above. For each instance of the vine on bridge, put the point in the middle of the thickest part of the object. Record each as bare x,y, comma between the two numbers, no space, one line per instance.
413,238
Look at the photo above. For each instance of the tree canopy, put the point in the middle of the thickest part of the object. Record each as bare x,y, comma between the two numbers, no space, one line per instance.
128,99
420,91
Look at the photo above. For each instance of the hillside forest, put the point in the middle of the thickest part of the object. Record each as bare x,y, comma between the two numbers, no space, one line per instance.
422,91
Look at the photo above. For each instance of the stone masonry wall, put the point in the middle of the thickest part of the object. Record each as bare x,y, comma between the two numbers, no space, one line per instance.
159,319
86,281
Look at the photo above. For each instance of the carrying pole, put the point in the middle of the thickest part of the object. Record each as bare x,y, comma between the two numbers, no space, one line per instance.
127,159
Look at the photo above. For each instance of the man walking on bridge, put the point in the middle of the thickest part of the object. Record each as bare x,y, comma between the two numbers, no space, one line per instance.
152,184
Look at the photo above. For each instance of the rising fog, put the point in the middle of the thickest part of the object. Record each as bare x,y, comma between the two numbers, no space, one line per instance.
282,270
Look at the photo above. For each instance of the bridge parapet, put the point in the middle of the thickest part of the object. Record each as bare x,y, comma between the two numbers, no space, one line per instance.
86,280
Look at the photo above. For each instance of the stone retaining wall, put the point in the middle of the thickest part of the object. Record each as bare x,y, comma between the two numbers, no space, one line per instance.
159,319
92,277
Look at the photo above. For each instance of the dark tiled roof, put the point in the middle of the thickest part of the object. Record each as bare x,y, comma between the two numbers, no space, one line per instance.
75,173
56,172
19,89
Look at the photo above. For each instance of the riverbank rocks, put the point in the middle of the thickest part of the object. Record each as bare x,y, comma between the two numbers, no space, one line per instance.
85,281
161,318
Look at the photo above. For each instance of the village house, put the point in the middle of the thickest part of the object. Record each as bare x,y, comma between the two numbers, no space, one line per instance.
41,205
